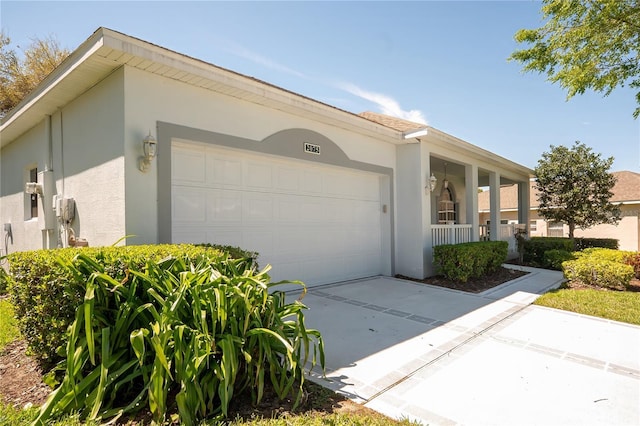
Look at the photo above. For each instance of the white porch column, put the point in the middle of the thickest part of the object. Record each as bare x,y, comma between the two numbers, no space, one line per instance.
471,195
524,204
494,205
413,208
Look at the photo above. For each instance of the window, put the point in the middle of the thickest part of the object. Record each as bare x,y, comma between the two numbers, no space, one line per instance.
533,225
555,229
33,202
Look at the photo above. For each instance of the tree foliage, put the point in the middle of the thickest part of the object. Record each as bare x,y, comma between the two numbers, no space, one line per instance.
585,44
19,75
575,187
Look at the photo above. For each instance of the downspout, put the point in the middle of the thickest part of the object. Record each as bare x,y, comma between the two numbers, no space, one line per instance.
48,169
48,165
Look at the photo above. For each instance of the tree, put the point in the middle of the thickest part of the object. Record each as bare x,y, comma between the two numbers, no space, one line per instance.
585,44
575,187
19,76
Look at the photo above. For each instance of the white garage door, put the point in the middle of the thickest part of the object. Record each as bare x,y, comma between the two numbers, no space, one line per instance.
315,223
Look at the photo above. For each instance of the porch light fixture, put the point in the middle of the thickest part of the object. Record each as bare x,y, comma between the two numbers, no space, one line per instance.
149,147
415,133
433,181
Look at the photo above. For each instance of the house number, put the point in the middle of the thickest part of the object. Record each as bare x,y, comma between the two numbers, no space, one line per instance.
310,148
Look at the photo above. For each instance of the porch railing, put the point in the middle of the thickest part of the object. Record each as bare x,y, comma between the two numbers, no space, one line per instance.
458,234
450,234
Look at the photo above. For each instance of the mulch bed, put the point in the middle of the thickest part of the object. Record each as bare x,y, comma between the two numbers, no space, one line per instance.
21,377
474,285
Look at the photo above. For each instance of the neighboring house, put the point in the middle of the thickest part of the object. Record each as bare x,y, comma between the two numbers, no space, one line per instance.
322,194
626,193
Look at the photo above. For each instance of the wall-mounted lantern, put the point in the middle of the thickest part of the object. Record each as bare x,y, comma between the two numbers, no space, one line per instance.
149,147
432,182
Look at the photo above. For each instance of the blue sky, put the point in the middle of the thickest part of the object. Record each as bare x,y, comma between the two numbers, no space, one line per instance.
444,63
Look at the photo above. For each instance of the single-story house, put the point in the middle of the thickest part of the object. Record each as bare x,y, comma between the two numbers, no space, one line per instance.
127,138
626,193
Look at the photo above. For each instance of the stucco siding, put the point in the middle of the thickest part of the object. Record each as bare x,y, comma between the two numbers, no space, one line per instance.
151,99
626,232
17,158
85,154
89,158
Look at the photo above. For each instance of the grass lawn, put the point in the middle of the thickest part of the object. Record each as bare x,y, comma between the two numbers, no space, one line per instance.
621,306
8,325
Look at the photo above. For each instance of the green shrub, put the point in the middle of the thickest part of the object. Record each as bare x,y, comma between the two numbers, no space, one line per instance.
535,247
193,324
585,243
4,281
600,267
46,295
460,262
596,272
234,252
603,254
553,258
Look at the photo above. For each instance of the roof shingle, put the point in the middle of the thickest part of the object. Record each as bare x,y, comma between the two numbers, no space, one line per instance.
392,122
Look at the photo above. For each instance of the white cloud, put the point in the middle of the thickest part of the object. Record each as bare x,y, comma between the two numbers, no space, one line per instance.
252,56
387,104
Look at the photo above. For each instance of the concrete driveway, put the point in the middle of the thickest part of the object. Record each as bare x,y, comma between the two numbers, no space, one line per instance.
445,357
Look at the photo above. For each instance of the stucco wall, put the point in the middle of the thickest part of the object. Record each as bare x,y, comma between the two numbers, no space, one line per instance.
87,163
17,159
627,232
151,99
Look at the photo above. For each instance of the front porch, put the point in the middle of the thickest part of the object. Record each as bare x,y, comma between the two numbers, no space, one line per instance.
439,179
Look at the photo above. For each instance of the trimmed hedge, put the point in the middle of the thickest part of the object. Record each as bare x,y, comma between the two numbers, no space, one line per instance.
535,247
585,243
45,294
600,267
460,262
553,258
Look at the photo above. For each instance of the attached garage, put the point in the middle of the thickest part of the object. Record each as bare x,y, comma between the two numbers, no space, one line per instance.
314,222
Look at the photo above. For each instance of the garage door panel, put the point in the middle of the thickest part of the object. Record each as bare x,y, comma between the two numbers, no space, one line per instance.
289,242
224,206
224,171
311,210
311,182
189,166
315,223
257,208
287,179
190,237
189,205
257,239
259,175
224,237
287,209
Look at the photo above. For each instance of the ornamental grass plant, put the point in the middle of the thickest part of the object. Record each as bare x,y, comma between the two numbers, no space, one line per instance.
188,331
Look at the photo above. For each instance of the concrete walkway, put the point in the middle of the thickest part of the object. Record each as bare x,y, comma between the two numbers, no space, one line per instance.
445,357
